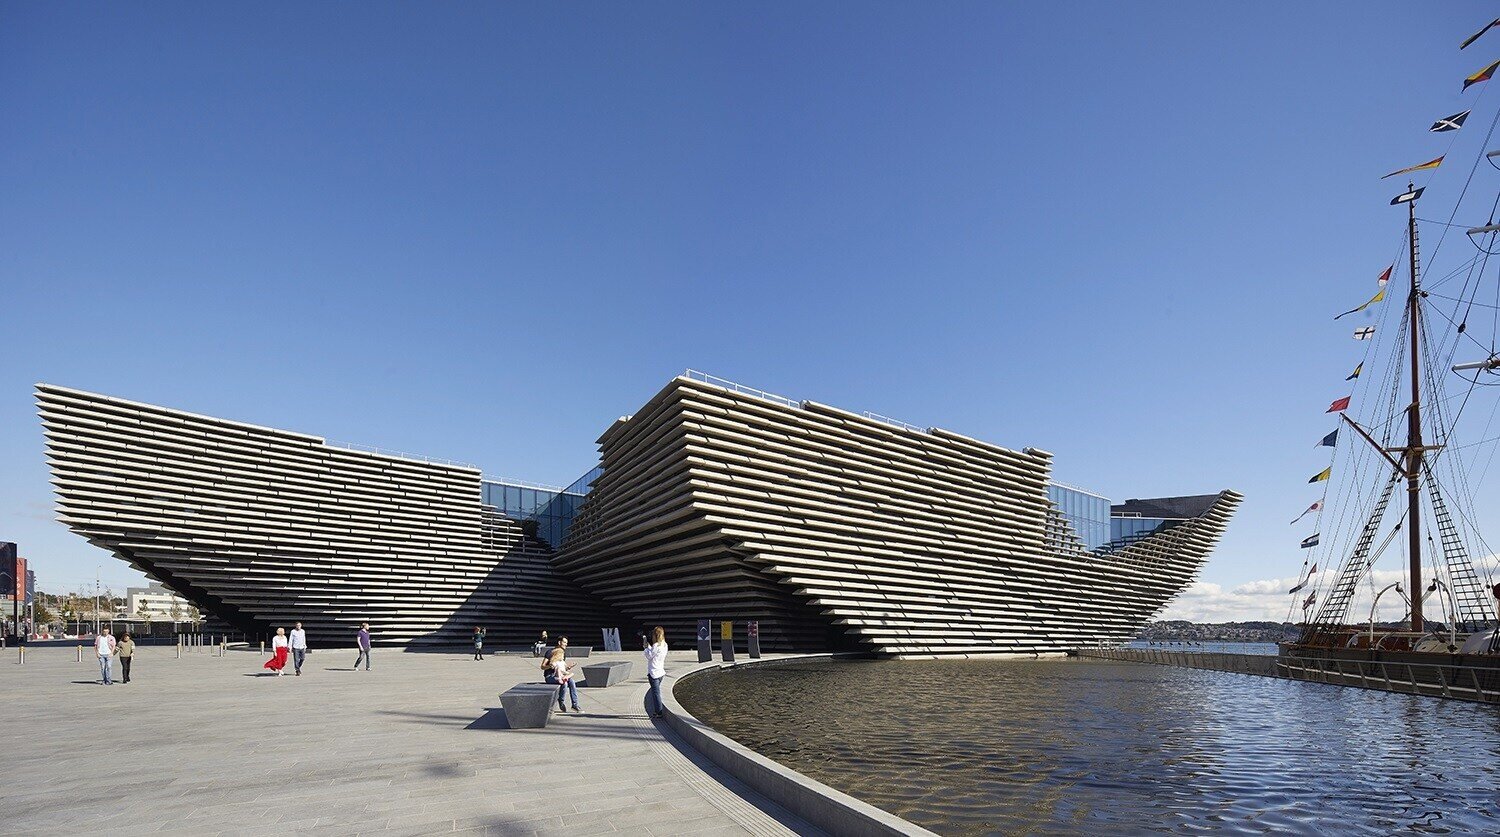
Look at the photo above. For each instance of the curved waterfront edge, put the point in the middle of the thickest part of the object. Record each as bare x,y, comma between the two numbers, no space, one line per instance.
832,810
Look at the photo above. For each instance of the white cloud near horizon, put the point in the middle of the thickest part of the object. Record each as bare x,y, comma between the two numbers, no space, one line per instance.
1268,600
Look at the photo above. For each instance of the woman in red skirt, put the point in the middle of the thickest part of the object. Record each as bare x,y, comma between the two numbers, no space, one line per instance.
278,652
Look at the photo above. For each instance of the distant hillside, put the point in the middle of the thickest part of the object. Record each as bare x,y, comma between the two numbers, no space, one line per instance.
1177,630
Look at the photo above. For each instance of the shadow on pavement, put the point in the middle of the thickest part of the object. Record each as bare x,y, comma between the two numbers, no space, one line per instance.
493,718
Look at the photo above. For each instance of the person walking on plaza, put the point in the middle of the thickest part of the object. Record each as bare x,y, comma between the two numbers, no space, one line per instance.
299,648
362,641
278,652
560,673
656,668
104,646
125,649
479,643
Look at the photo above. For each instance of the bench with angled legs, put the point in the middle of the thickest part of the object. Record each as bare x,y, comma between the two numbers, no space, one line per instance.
604,675
528,705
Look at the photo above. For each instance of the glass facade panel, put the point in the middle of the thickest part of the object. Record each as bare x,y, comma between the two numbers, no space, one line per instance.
551,510
1124,531
1089,513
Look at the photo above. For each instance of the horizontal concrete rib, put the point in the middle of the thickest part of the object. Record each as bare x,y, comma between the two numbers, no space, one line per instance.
838,531
262,527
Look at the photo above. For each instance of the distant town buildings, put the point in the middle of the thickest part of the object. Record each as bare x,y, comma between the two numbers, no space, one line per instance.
154,602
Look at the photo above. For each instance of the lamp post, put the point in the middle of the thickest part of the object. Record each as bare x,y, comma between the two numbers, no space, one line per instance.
1376,604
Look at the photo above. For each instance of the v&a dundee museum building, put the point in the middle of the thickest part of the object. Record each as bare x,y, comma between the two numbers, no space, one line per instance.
836,531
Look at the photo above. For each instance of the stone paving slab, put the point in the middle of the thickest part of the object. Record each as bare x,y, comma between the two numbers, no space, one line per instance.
418,745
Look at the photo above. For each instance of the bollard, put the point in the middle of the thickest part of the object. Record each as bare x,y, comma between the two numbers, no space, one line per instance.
22,650
79,655
179,646
262,646
753,629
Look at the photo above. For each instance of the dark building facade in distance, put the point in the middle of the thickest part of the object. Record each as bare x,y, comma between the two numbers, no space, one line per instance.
834,531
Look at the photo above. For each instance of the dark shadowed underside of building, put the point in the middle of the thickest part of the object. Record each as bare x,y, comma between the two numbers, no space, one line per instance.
832,530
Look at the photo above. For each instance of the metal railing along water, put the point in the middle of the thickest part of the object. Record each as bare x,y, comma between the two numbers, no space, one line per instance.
1457,682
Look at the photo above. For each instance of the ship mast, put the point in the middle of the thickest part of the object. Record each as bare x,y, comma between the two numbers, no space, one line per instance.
1414,449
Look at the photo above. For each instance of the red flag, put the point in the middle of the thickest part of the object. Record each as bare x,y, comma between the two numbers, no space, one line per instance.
1385,277
1340,405
1313,570
1483,75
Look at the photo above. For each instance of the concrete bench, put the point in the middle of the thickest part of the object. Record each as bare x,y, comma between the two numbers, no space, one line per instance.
528,705
604,675
579,650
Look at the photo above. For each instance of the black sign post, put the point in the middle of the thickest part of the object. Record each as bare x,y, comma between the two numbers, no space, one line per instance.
705,651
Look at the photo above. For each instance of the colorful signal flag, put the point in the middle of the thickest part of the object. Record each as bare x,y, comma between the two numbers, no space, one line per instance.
1430,164
1483,75
1310,509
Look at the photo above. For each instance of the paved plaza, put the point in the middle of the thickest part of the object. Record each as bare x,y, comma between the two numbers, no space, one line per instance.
418,745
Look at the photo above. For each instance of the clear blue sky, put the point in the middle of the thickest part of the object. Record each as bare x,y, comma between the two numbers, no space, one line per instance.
481,231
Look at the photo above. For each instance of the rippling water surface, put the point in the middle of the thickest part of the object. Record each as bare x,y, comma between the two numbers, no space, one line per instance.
1069,746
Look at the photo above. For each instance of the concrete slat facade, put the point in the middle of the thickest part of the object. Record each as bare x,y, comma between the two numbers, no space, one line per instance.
262,528
838,531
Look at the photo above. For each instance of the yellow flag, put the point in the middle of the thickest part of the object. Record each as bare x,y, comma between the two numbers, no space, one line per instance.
1380,295
1430,164
1323,475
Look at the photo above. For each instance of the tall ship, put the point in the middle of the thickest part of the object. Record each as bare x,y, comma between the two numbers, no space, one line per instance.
1398,524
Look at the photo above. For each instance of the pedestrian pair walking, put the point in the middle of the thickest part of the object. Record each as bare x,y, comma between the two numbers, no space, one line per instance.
283,646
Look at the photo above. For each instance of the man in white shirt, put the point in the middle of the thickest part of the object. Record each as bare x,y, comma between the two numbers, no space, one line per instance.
299,647
104,646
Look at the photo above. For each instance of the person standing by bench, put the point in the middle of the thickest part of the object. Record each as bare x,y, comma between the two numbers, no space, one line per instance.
560,673
656,668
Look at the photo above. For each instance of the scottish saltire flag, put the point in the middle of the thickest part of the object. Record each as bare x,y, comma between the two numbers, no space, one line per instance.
1323,475
1310,509
1310,541
1406,197
1449,123
1364,332
1357,370
1477,35
1340,405
1430,164
1379,295
1331,440
1385,276
1483,75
